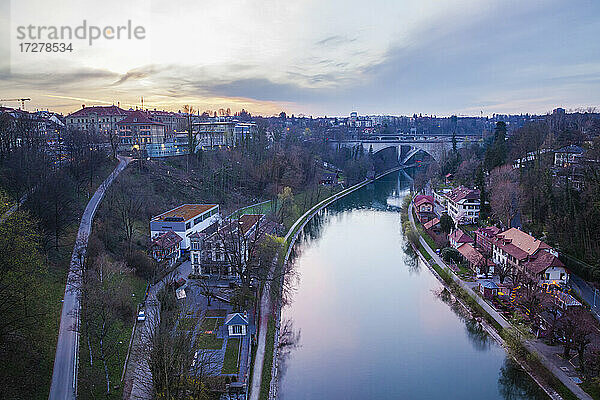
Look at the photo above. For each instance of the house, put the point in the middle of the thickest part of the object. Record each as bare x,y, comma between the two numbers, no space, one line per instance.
530,256
229,243
424,206
237,324
101,119
477,261
462,205
458,238
488,289
184,221
166,247
568,156
137,130
328,178
485,236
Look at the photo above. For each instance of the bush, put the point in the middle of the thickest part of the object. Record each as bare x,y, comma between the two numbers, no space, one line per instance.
143,265
450,254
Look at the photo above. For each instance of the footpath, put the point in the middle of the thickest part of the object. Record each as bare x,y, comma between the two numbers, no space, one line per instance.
531,345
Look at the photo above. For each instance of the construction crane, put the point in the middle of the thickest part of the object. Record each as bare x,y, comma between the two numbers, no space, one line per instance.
21,100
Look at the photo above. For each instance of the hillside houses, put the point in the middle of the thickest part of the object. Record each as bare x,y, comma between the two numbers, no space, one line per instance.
463,204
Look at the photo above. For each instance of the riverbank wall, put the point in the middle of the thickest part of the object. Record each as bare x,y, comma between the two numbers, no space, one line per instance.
290,239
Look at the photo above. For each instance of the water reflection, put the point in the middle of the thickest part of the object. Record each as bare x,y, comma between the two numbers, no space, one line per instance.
372,323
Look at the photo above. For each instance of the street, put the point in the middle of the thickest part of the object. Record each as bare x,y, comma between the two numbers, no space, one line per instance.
64,374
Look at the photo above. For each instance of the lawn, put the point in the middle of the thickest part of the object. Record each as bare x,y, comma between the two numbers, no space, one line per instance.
215,313
211,324
187,323
230,363
265,207
265,384
209,341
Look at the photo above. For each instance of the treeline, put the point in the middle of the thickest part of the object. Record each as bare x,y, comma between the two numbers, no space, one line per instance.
53,178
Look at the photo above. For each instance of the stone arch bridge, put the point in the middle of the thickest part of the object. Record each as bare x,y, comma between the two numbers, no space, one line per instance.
406,148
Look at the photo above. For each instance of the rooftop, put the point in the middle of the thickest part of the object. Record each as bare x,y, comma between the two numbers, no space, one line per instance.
461,193
98,110
184,212
522,240
460,237
166,240
138,117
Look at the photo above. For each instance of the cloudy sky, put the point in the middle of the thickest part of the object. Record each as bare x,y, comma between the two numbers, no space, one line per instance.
315,57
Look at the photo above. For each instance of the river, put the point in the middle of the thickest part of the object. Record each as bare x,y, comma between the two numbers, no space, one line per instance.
374,323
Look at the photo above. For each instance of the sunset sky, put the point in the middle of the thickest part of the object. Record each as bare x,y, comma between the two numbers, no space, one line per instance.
313,57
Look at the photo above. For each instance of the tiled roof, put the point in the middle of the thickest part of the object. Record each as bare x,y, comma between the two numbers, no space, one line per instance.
185,212
430,224
138,117
461,193
459,236
541,262
421,199
471,254
523,241
247,221
167,240
99,110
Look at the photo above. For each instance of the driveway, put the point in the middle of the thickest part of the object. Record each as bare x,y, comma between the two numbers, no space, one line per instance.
66,361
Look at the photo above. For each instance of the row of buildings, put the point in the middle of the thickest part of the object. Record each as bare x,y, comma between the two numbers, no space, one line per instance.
159,133
490,247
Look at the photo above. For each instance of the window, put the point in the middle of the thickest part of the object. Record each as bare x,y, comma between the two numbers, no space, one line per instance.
237,329
188,225
562,276
547,276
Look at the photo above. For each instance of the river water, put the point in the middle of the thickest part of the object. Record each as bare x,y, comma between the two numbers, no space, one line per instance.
374,323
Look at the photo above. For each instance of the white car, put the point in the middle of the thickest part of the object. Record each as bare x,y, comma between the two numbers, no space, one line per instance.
141,316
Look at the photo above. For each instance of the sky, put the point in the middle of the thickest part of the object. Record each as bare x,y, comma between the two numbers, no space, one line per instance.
311,57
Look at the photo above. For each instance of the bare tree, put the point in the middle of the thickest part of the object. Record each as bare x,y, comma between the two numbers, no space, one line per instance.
506,195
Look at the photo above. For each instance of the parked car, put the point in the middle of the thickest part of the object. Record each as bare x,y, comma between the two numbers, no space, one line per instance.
141,316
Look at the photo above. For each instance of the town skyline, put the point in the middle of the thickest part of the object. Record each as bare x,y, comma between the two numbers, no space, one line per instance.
463,58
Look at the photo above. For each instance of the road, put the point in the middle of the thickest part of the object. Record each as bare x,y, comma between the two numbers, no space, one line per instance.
64,374
586,292
140,385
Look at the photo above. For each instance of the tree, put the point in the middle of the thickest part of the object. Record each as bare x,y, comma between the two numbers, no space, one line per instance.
446,224
503,270
191,137
127,205
207,290
285,201
506,195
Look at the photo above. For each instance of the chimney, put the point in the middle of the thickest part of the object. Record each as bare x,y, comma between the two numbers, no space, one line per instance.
83,106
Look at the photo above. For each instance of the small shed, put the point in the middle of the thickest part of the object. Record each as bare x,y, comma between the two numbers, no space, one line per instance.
237,324
488,289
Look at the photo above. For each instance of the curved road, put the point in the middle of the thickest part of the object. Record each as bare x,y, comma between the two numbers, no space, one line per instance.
64,375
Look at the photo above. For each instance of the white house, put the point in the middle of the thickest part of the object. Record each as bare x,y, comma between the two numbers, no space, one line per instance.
185,220
462,205
237,324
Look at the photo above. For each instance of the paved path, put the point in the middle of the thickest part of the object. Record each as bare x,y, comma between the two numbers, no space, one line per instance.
265,311
14,208
586,292
531,345
64,375
141,381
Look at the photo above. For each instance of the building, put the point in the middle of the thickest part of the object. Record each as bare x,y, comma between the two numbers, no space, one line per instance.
484,238
185,220
216,134
137,130
166,247
457,238
568,156
244,131
530,256
102,119
424,206
477,261
462,205
237,324
488,289
328,178
172,121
